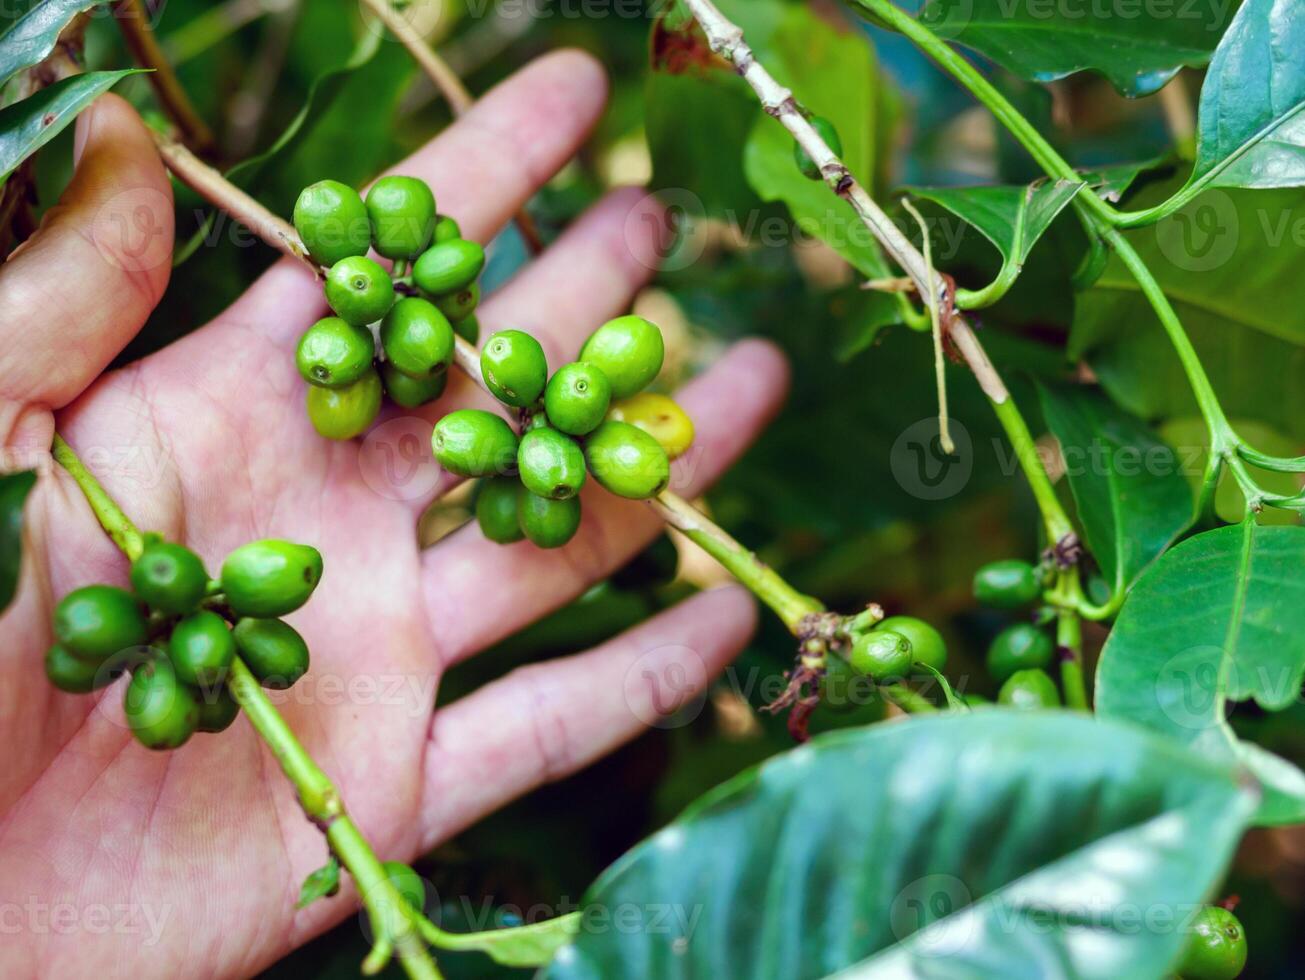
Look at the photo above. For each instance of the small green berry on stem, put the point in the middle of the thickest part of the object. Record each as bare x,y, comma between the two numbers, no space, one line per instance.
1007,584
359,290
273,651
629,350
461,303
514,367
333,353
1031,688
344,413
201,649
551,464
659,416
1217,947
270,577
409,392
97,622
882,655
417,338
496,509
548,523
448,266
1019,647
402,215
331,220
169,578
627,461
577,398
161,711
473,442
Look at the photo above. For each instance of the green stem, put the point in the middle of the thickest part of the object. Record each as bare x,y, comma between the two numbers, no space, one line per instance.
1069,642
908,699
111,517
1054,518
769,586
1043,152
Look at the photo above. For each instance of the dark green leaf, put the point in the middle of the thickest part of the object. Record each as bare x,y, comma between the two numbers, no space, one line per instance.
32,36
1012,218
1252,119
1219,259
14,488
834,75
28,125
1219,618
1128,485
962,845
322,883
1046,41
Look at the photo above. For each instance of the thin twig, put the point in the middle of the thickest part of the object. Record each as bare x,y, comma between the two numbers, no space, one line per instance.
145,48
450,86
935,322
209,184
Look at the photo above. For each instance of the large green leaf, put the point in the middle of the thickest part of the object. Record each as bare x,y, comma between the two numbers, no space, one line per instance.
28,125
14,488
32,36
835,76
1230,263
1045,41
1012,218
1252,118
994,843
1219,618
1127,484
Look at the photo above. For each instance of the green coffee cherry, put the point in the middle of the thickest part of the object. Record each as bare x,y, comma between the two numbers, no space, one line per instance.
448,266
417,338
471,442
169,577
468,328
407,882
273,651
402,213
78,676
161,711
1007,584
627,461
827,133
1029,689
201,649
882,655
577,398
496,509
514,367
1018,647
629,350
548,523
655,566
332,222
332,353
343,413
446,228
551,464
927,646
658,416
1217,947
359,291
217,710
270,577
98,622
461,303
410,392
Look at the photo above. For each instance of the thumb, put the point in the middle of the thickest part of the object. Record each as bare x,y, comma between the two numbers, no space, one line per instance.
80,288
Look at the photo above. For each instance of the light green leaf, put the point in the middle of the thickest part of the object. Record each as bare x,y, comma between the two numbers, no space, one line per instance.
835,76
1251,131
994,843
322,883
33,35
1012,218
28,125
1217,260
1219,618
1128,485
1046,41
14,488
529,945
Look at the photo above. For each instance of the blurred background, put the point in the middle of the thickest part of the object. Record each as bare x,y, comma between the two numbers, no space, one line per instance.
298,90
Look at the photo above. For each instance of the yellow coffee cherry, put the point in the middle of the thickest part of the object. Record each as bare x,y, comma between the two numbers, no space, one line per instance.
658,416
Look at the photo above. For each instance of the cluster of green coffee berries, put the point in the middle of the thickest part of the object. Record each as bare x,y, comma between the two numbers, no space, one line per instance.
896,648
178,632
1020,655
589,417
392,332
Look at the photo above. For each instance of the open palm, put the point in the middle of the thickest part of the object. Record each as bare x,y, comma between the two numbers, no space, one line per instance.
118,861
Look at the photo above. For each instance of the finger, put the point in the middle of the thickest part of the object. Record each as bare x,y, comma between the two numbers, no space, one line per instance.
587,276
84,284
510,587
544,721
483,169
